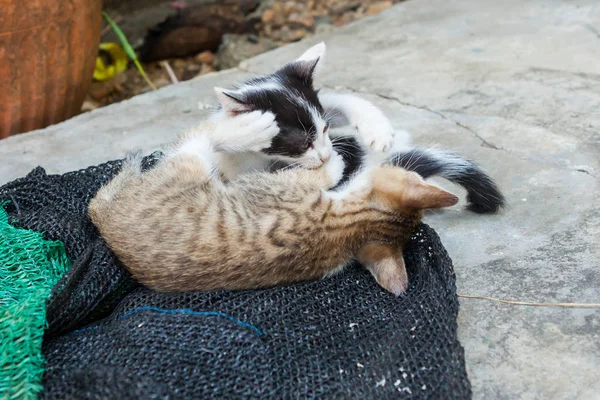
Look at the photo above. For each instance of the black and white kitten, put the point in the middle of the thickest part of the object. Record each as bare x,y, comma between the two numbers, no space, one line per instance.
280,119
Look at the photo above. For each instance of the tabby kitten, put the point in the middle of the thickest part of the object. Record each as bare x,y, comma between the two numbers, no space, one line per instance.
179,227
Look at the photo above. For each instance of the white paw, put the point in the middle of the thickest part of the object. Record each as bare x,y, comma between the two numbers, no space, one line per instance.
252,131
376,131
402,141
265,129
334,167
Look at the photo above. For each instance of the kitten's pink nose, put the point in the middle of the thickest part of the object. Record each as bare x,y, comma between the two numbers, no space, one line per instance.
325,158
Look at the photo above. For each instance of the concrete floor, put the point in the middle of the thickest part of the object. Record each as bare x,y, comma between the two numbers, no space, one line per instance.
514,85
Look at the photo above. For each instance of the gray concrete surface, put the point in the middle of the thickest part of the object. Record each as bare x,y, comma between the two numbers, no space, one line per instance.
514,85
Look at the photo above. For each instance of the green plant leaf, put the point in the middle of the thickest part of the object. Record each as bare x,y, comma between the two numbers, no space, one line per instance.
128,49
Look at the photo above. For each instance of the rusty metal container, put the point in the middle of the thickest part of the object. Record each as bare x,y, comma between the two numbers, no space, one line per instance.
48,51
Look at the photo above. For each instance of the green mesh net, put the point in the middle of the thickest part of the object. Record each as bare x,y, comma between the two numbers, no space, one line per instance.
29,268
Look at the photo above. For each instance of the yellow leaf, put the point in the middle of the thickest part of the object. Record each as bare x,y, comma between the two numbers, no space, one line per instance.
118,62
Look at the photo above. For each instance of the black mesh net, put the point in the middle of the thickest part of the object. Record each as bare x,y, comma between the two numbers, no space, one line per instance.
342,337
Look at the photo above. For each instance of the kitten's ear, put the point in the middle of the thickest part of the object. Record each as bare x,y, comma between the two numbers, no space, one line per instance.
424,195
232,102
314,54
309,63
397,188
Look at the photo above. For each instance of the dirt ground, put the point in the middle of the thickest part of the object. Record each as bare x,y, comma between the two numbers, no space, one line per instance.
275,23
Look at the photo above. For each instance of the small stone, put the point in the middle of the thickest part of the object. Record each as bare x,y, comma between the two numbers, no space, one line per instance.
178,63
345,7
247,5
190,73
206,57
290,7
322,19
343,20
99,90
277,7
268,16
236,48
378,7
307,21
89,105
193,67
323,28
298,34
206,69
285,34
161,82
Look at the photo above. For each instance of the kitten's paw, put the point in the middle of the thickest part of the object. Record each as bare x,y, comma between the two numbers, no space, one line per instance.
376,131
334,167
251,131
263,129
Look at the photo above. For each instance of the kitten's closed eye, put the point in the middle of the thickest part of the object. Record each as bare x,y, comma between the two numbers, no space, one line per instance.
326,128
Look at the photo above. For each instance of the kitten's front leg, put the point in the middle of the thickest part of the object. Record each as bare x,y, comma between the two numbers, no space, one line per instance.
372,125
249,131
326,176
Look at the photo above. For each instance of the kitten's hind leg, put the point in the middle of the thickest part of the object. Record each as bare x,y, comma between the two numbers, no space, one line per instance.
102,202
386,264
131,168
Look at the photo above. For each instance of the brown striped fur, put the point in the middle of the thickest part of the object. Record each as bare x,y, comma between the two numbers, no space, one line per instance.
178,227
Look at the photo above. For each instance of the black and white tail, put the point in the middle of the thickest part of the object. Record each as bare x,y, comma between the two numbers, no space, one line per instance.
483,194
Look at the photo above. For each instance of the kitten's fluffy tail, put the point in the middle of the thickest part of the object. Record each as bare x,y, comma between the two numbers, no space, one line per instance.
102,201
483,194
